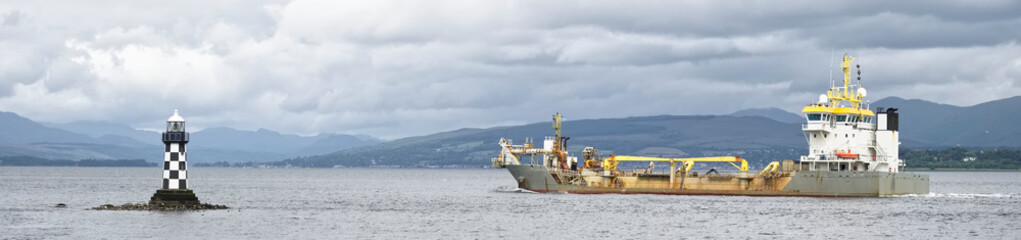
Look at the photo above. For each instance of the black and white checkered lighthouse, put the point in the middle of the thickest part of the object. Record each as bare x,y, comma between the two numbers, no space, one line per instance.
175,175
175,165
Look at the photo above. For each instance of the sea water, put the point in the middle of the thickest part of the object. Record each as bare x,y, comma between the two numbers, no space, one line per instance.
477,204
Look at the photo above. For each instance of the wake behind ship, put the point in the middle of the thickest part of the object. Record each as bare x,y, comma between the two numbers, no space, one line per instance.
853,152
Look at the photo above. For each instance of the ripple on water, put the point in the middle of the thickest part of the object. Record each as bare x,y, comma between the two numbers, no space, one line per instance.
508,189
962,195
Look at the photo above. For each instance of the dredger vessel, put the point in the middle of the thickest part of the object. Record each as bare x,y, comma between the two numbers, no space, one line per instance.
853,152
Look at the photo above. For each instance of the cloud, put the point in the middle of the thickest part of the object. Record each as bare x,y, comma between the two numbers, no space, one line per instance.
397,68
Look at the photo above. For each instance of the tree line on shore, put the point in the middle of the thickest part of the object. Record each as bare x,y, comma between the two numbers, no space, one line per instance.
961,158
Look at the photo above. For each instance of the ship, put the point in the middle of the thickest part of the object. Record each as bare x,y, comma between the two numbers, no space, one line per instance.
852,152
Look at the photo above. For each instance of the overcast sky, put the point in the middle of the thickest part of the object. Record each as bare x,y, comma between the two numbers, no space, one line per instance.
394,69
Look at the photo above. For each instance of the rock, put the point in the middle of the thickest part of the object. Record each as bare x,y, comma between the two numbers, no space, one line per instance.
161,207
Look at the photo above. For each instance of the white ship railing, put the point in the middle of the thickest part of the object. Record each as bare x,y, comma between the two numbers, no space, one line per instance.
822,126
814,126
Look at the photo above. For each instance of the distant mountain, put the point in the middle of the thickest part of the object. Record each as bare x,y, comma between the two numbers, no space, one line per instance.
78,151
990,124
667,136
772,113
20,136
329,143
17,129
918,117
98,129
263,140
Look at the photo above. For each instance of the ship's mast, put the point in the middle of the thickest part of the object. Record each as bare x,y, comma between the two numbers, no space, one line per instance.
848,92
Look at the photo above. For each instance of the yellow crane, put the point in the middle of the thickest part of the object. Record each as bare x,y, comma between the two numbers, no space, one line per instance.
771,169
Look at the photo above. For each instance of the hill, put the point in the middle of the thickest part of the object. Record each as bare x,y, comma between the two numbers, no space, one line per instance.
263,140
772,113
20,136
666,136
17,129
98,129
928,124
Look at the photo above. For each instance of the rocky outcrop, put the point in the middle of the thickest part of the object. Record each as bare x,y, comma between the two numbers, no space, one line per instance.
160,207
166,200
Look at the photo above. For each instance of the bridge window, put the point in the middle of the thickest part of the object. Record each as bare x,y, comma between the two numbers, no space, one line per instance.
841,118
814,117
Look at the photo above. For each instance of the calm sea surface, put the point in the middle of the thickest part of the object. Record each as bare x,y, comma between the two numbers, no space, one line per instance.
478,204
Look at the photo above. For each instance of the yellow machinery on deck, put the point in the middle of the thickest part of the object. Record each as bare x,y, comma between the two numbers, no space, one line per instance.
687,163
610,163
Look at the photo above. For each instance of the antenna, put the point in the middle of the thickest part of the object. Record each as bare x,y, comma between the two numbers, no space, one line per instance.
831,68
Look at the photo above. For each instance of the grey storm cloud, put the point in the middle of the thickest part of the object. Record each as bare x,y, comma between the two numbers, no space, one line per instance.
402,68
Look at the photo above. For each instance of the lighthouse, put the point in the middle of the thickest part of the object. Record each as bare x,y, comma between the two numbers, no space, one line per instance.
175,165
174,190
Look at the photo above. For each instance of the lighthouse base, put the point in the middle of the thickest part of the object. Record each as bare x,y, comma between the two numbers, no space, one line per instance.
174,197
166,200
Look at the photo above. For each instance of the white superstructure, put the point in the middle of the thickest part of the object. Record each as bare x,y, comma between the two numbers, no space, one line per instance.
844,135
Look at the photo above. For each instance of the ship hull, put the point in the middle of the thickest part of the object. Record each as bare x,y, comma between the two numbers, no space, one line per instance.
802,183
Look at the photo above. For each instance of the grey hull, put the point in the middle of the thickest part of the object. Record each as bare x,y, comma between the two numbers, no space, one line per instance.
805,183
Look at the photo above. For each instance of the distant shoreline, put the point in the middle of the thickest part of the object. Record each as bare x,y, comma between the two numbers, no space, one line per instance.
25,161
4,166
